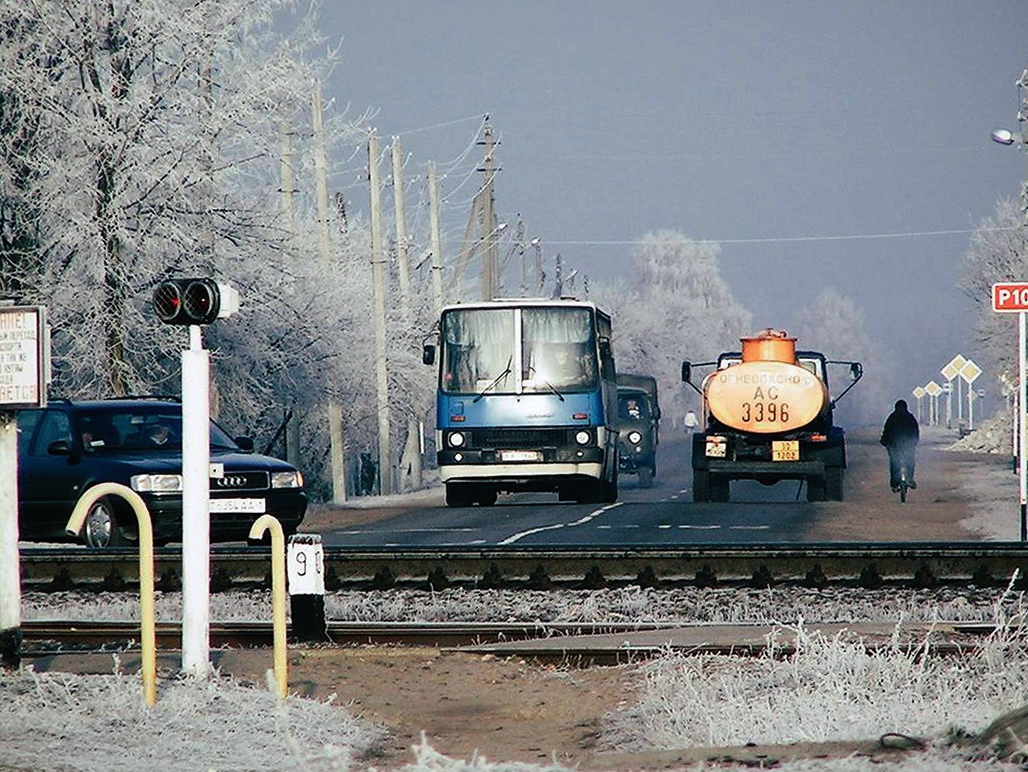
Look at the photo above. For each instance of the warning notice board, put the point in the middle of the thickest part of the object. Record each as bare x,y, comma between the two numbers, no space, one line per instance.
23,353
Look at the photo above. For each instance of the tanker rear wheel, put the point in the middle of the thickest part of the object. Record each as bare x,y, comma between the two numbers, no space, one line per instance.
700,485
815,488
720,488
833,483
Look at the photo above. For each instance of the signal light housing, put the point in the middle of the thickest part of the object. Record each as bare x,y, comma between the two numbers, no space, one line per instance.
193,301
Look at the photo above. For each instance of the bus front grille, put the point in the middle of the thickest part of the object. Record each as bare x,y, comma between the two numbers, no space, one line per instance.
520,438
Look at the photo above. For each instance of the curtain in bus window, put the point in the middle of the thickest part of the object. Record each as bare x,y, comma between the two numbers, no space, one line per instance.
478,351
559,349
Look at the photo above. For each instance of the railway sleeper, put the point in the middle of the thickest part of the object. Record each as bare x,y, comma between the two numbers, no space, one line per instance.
539,579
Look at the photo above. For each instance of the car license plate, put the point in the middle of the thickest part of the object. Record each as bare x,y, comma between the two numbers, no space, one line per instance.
716,449
785,450
520,455
232,506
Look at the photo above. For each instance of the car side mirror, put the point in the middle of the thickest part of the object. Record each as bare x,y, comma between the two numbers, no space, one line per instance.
686,372
246,443
59,448
428,354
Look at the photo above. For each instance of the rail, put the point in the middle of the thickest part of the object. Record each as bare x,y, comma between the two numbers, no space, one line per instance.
869,565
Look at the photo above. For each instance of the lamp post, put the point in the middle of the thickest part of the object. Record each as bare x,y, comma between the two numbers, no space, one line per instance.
1008,137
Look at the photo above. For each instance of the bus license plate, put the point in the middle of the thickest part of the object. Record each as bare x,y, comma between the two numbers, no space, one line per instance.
520,455
785,450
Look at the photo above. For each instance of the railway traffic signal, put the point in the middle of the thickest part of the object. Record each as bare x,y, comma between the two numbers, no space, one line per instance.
193,301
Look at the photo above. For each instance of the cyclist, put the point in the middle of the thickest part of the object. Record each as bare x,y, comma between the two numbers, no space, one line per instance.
900,436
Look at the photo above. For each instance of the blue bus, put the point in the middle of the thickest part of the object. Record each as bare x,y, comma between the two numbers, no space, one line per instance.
526,401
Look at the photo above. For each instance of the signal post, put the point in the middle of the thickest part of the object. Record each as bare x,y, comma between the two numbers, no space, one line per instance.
195,302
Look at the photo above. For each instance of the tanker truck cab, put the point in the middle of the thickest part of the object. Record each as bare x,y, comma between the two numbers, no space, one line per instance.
769,416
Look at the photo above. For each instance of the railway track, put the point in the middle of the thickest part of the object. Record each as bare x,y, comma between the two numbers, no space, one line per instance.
583,643
871,565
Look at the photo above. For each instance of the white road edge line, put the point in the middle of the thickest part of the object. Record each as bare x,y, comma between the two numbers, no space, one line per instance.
581,521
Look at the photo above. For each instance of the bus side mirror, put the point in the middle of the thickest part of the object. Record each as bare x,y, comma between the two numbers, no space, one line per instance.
428,354
686,372
605,352
856,371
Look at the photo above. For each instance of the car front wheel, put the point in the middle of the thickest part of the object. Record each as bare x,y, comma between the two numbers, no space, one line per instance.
102,529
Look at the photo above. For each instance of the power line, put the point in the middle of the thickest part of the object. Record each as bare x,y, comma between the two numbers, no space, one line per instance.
792,239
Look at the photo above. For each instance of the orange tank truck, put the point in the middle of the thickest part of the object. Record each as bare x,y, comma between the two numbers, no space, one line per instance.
768,417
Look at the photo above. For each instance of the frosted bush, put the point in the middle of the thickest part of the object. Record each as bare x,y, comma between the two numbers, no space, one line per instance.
100,724
830,688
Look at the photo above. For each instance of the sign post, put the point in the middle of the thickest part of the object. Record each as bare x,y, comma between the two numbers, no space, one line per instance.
1009,298
933,390
918,393
23,376
969,373
950,373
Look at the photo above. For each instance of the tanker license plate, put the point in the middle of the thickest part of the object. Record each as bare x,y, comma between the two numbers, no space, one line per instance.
785,450
520,455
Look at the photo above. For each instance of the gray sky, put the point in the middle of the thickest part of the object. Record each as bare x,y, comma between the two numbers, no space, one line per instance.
744,122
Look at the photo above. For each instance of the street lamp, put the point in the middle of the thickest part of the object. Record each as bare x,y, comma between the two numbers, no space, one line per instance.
1006,137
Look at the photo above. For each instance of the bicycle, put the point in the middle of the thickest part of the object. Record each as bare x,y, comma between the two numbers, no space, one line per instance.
905,483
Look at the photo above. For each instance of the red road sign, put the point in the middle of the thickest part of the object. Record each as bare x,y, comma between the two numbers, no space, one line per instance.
1010,296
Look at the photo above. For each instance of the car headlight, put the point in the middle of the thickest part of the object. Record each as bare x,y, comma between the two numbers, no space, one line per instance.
457,439
583,437
635,438
156,483
290,479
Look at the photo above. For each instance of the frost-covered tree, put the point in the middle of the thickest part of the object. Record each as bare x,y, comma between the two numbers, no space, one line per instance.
143,139
998,252
673,305
834,325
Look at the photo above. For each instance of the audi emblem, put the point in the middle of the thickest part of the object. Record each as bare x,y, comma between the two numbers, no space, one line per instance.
230,482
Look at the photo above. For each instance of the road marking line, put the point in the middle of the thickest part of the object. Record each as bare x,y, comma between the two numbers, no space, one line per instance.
749,527
700,527
556,526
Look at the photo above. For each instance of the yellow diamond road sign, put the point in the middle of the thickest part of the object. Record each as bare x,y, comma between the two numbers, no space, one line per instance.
918,392
933,388
952,368
970,371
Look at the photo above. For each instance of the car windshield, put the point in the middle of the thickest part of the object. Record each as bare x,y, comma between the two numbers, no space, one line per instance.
145,428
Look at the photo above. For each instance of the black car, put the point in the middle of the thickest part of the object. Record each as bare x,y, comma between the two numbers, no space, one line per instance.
70,446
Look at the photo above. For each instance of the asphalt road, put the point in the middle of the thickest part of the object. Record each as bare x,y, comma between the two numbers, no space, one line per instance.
664,514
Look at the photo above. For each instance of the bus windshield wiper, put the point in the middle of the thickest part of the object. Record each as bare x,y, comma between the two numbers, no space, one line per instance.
496,380
550,386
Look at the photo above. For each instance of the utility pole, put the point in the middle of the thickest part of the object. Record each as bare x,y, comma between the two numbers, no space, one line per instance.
337,442
437,256
401,226
288,209
490,282
410,459
378,276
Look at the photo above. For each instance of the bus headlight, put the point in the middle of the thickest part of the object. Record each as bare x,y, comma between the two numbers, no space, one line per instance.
583,437
457,439
635,438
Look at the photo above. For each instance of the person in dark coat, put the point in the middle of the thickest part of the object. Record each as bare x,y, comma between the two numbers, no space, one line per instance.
900,436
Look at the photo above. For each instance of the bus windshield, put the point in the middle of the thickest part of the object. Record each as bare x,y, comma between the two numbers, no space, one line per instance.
480,350
559,350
